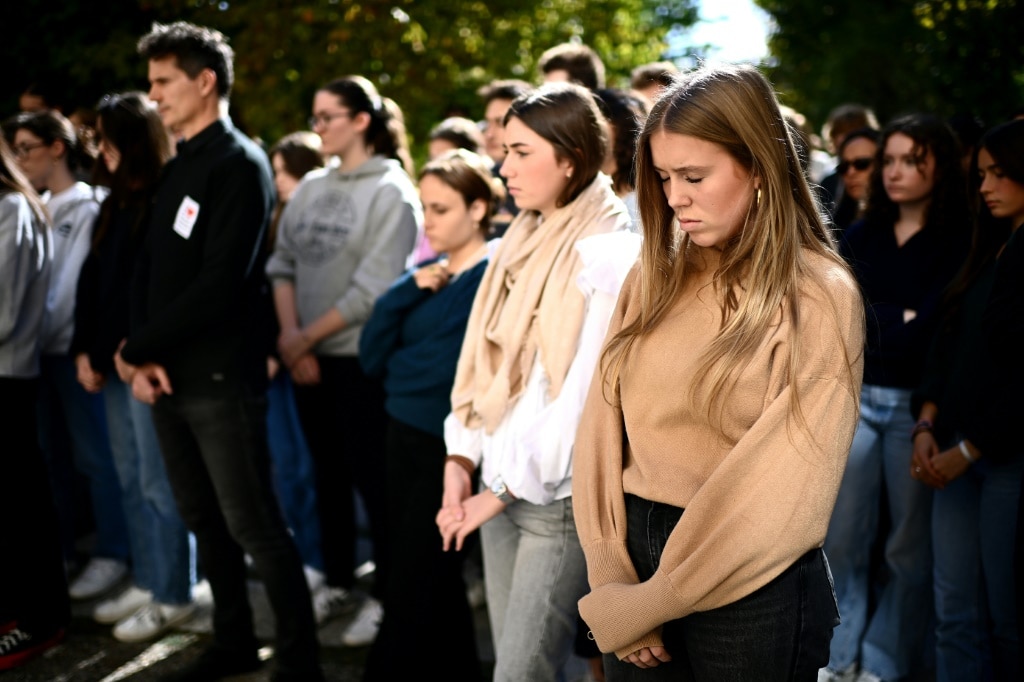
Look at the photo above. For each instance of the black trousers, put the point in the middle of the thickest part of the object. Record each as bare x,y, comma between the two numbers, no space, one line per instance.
215,452
1019,572
33,586
426,612
344,422
780,632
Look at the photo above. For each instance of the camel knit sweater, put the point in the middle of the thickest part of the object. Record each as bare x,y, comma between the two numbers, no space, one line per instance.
757,494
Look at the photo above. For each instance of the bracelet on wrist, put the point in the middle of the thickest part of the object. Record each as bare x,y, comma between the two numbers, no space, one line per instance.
920,427
966,452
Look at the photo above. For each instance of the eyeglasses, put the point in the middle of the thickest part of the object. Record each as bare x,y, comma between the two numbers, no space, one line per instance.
325,119
23,150
861,163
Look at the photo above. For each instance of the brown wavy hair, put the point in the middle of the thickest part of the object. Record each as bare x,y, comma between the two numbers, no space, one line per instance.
470,175
567,116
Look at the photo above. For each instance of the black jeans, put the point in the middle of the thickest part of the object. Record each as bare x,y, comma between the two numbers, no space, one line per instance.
425,606
215,452
33,588
779,632
344,421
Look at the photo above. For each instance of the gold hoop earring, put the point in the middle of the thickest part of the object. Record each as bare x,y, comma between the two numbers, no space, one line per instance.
757,198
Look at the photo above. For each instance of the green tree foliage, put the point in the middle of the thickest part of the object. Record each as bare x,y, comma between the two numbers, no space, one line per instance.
942,56
75,50
430,57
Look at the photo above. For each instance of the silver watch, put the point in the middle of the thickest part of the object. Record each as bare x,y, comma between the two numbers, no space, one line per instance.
500,491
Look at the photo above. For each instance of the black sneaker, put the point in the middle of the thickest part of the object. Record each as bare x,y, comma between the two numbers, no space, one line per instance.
18,645
215,663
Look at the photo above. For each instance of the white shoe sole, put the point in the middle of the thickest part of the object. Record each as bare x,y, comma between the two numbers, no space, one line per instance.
114,617
170,623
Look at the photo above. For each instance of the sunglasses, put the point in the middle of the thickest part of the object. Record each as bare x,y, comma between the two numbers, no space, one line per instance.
861,163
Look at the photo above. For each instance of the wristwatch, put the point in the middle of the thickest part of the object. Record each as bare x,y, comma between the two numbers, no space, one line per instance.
501,491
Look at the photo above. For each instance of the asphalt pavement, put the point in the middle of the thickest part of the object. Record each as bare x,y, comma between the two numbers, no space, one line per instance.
90,653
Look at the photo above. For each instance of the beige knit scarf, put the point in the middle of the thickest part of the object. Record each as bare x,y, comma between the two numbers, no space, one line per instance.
528,300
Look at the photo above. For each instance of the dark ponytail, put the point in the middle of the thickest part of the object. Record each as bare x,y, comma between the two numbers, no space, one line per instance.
386,133
51,125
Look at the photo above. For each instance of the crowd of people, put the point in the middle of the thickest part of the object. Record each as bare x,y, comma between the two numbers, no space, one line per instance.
700,396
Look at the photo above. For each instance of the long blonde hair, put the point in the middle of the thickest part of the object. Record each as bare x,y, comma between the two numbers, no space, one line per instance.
735,108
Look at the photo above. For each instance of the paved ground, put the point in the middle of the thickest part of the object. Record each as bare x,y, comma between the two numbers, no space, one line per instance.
91,654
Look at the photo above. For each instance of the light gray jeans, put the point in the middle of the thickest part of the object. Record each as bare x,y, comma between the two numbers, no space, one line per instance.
535,573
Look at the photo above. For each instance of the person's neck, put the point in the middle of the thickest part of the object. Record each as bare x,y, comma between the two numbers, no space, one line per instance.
355,157
209,115
911,219
60,180
467,255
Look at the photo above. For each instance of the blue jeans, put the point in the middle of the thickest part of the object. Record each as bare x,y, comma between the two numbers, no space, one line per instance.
293,469
534,573
72,420
215,451
779,632
973,529
890,641
162,556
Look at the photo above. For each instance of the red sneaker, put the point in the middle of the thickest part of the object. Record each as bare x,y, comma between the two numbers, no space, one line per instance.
18,646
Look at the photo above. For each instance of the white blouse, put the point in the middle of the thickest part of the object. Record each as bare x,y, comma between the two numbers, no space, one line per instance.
531,448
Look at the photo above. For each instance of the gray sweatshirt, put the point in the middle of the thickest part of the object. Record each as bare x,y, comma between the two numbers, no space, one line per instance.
26,254
343,239
73,212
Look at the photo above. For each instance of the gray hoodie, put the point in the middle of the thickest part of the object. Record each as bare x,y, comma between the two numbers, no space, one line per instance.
26,254
73,212
343,239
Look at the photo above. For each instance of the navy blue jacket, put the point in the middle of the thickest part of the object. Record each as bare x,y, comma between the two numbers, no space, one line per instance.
199,296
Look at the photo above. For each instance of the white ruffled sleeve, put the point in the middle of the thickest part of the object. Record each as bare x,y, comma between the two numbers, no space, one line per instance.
540,469
462,440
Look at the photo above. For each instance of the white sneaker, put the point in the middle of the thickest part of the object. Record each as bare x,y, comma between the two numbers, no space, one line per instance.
829,675
123,605
331,602
363,630
314,578
98,576
202,593
152,620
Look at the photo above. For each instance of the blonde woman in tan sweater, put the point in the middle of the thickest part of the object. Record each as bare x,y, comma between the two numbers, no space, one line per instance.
728,388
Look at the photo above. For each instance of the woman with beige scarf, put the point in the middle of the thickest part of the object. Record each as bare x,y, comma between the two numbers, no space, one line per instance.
531,344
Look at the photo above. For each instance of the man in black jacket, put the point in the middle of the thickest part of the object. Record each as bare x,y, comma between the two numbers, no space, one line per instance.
193,354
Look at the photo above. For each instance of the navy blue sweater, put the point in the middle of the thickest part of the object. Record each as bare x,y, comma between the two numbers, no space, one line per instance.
412,340
896,278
